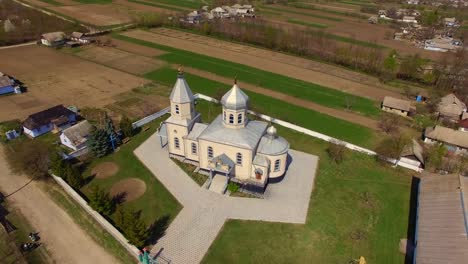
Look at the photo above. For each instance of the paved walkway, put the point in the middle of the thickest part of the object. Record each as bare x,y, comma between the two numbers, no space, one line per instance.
195,228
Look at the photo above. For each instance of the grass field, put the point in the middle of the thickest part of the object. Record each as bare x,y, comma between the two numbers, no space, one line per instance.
294,87
153,3
195,4
358,208
261,103
94,1
157,202
326,10
304,23
304,14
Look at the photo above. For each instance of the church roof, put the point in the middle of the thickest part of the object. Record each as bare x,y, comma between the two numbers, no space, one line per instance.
270,145
181,92
246,137
235,98
197,129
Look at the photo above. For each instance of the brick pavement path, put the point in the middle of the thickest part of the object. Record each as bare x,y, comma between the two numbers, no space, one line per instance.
195,228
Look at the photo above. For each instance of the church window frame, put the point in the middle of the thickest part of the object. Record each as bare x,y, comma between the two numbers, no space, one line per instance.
239,158
277,165
177,109
210,152
231,119
239,118
194,148
176,143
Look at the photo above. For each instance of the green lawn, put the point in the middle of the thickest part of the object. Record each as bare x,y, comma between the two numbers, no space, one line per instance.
198,178
294,87
195,4
308,24
157,202
326,10
94,1
310,119
358,208
155,4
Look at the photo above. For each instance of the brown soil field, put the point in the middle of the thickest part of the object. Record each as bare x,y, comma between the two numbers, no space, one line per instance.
96,14
53,77
349,116
136,49
105,170
291,66
129,189
119,59
146,8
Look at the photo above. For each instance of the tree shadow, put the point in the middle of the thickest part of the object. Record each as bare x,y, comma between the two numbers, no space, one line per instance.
157,230
119,198
88,179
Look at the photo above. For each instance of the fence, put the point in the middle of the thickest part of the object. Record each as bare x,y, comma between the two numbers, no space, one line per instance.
101,220
147,119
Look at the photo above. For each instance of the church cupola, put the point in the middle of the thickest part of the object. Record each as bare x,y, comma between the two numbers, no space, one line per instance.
182,100
235,105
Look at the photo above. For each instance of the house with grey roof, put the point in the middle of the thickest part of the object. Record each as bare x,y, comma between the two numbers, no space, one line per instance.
396,106
231,146
451,107
75,137
53,39
441,221
455,141
412,156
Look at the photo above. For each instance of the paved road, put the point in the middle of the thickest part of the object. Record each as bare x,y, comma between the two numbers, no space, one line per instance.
195,228
63,238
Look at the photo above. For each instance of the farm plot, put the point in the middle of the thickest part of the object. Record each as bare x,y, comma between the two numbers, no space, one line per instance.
97,14
56,78
121,60
275,62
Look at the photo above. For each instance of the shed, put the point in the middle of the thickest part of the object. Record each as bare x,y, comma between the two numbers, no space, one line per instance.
7,85
75,137
396,106
412,156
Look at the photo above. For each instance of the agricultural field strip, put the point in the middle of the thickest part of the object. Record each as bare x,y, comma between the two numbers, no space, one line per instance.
332,126
297,88
305,23
330,10
181,3
152,3
335,19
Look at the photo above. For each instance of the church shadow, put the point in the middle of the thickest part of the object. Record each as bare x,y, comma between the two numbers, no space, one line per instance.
157,230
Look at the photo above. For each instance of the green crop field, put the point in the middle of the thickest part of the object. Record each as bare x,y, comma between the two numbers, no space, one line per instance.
94,1
158,5
303,13
294,87
304,23
182,3
307,118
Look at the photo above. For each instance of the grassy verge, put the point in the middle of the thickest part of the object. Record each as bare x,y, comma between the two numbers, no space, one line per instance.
157,202
358,208
294,87
158,5
10,243
261,103
303,13
89,225
189,169
304,23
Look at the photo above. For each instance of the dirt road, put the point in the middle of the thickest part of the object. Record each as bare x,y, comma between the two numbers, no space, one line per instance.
348,116
63,238
291,66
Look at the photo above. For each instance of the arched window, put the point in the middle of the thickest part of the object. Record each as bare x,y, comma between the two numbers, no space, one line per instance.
176,143
277,165
231,119
177,109
239,119
210,152
194,149
239,158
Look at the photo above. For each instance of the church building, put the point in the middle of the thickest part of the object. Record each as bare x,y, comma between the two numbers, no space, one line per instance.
245,151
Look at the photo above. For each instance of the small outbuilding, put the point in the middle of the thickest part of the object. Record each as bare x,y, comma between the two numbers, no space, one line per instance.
7,85
450,107
412,156
396,106
75,137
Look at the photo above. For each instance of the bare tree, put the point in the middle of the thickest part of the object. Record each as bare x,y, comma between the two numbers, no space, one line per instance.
30,157
389,123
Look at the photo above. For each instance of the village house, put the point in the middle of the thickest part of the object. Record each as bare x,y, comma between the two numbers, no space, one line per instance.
409,19
8,85
80,38
412,156
412,2
75,137
232,147
396,106
441,215
53,39
451,22
53,119
443,44
454,140
451,108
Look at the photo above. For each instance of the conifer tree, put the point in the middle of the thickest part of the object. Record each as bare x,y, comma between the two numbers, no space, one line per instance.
98,143
126,126
100,201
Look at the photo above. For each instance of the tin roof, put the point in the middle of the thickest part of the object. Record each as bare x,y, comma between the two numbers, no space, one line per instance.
181,92
396,103
245,137
235,99
197,129
447,135
78,133
450,105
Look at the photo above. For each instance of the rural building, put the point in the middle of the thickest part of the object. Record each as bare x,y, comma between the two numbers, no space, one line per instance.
8,85
412,156
80,38
56,118
441,229
53,39
232,147
450,107
454,140
412,2
396,106
443,44
409,19
75,137
451,22
463,125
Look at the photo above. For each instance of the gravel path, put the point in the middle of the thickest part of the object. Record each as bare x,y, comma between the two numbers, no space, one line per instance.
195,228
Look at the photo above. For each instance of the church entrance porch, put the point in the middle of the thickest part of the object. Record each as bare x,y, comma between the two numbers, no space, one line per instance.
219,184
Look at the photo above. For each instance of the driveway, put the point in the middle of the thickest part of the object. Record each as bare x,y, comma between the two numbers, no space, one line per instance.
63,238
195,228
